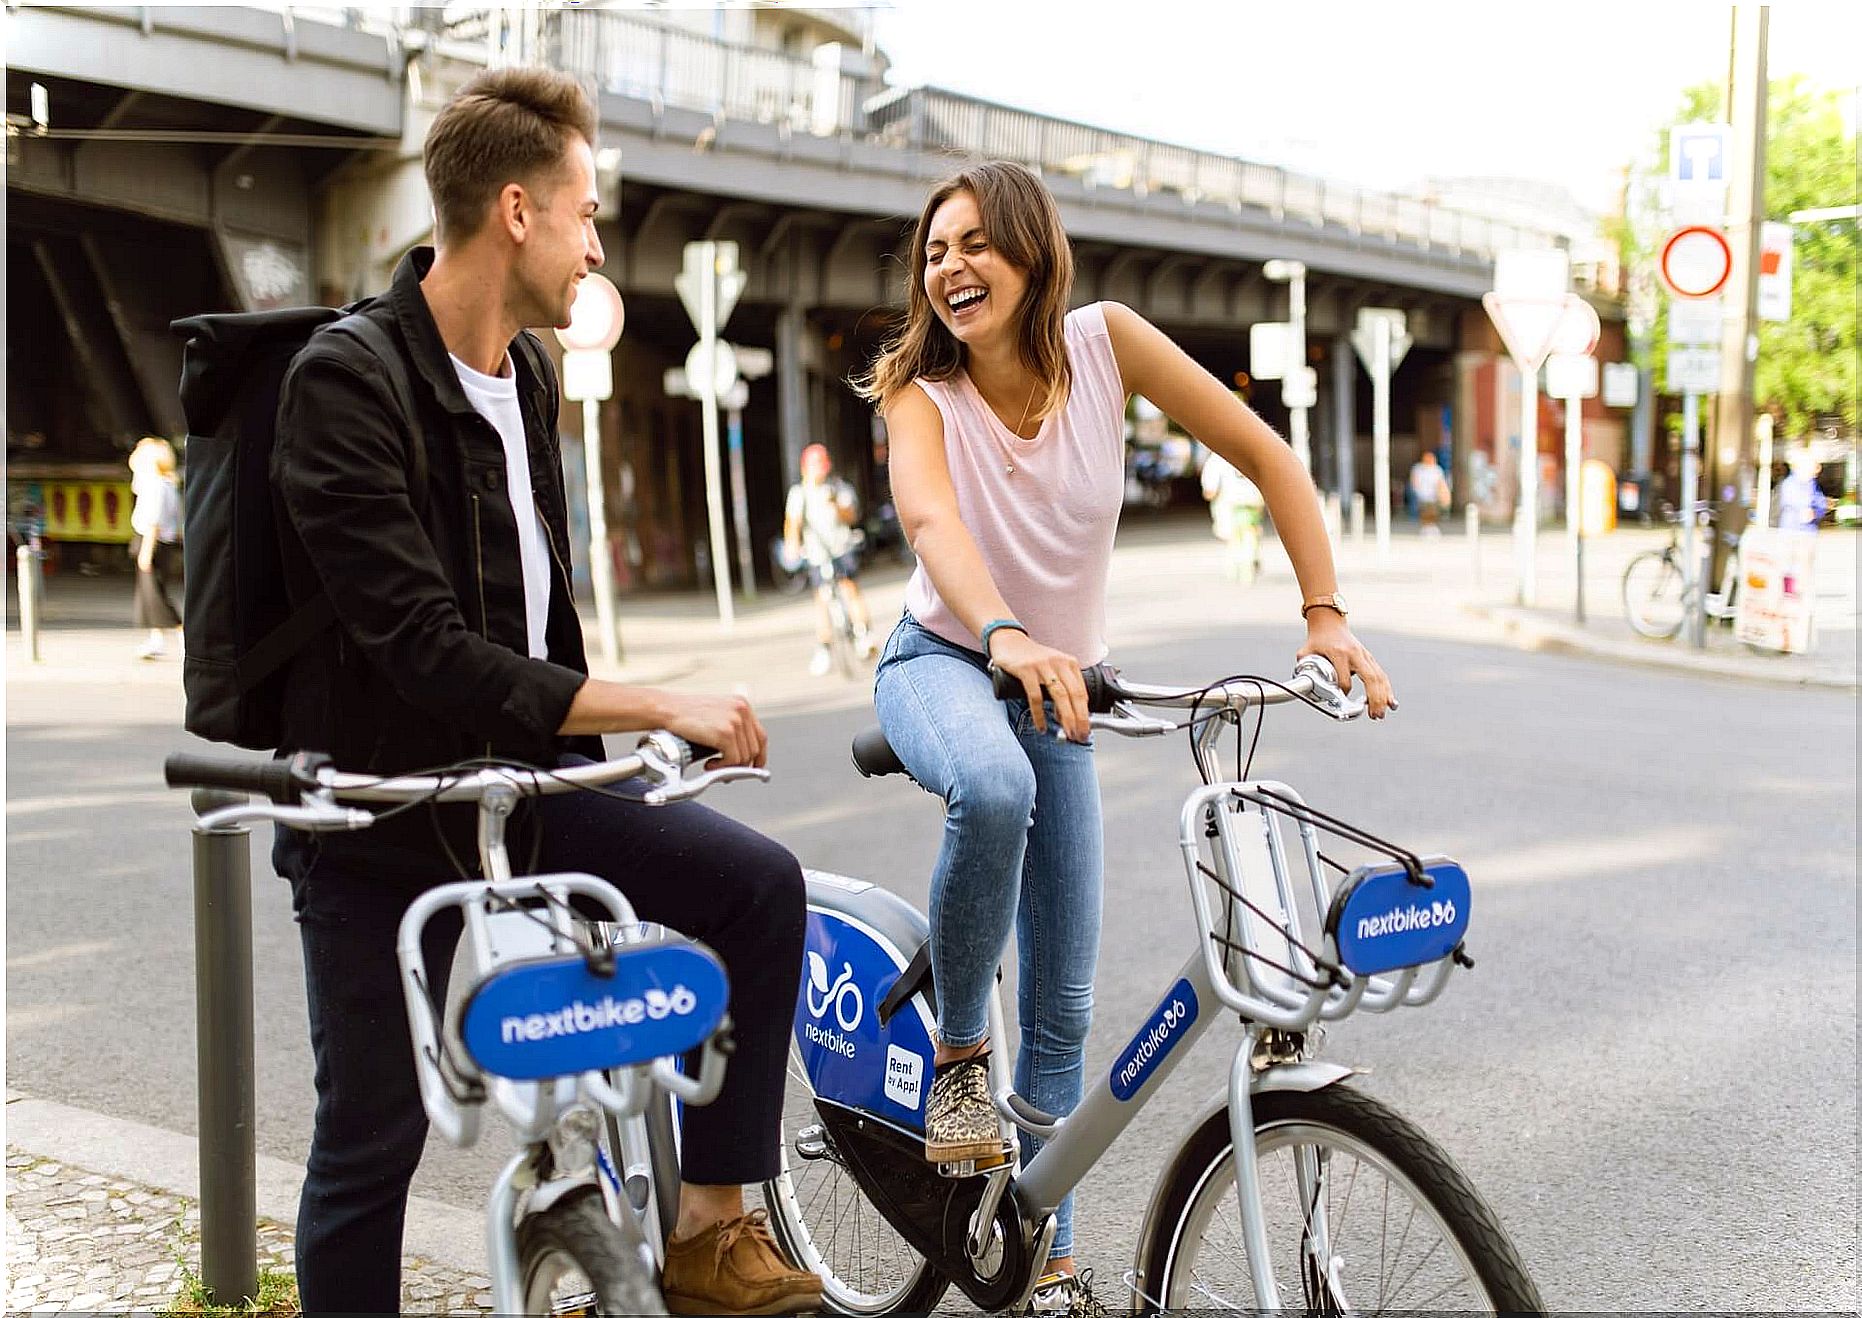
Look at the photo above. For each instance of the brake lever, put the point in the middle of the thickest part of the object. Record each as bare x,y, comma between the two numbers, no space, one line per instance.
1326,697
1127,721
685,789
318,816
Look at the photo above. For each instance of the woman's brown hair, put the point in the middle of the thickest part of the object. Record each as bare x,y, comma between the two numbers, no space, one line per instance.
1023,223
508,125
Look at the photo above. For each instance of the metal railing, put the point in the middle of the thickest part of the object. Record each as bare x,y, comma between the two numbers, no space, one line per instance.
671,66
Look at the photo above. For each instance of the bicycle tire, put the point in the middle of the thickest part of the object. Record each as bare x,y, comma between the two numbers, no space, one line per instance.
1199,1199
841,633
573,1254
1650,582
865,1267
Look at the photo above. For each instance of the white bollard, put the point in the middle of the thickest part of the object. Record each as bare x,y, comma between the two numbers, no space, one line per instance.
1333,516
1474,540
31,592
1357,517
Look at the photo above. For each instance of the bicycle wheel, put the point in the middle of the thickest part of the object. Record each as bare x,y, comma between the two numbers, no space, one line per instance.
1654,595
1385,1222
821,1219
573,1258
841,634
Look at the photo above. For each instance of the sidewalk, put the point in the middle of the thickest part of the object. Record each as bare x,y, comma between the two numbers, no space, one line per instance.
1166,578
102,1216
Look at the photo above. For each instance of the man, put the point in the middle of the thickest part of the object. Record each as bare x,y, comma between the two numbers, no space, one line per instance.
457,637
1428,485
817,525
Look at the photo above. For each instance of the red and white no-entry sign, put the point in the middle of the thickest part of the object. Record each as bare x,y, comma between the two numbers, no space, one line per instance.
1696,261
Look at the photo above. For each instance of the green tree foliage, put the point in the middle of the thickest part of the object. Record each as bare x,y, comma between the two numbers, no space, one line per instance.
1808,367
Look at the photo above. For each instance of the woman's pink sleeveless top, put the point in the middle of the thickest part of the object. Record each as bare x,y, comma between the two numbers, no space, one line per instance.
1045,530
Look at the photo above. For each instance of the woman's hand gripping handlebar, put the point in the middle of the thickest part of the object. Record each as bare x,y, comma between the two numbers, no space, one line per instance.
1112,701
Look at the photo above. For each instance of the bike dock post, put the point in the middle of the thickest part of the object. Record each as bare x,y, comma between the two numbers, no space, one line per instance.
1473,515
31,592
229,1265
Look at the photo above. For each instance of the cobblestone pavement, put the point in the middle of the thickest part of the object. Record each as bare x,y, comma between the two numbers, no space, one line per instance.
78,1241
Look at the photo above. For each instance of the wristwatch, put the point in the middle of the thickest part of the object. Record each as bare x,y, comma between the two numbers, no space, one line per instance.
1334,602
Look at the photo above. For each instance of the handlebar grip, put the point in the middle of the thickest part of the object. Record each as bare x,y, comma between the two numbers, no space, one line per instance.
1102,687
283,781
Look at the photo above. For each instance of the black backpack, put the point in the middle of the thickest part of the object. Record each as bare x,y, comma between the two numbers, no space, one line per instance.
238,624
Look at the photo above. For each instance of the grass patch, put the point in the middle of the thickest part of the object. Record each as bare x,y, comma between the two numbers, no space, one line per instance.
277,1298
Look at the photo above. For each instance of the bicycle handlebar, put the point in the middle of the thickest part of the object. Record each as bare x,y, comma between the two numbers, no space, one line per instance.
306,786
1314,683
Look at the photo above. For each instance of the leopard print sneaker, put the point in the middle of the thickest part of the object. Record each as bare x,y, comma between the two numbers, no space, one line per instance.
960,1121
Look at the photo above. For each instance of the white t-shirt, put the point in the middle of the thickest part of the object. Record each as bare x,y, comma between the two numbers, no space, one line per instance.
494,397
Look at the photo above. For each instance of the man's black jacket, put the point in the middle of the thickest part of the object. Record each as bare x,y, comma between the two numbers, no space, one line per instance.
428,662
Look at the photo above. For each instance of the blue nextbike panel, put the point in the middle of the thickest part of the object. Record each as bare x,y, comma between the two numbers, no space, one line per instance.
1154,1040
555,1017
850,1057
1382,921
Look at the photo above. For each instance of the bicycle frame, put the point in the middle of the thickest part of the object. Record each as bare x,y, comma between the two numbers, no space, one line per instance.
1251,857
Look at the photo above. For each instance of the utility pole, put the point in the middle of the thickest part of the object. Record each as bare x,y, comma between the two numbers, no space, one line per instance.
1730,456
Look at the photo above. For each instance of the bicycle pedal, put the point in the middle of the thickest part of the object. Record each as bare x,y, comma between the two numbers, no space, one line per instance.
967,1167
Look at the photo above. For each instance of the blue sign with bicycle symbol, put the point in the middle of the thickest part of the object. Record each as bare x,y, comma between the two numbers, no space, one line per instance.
557,1017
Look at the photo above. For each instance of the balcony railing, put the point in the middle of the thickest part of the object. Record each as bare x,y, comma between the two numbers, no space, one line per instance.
669,66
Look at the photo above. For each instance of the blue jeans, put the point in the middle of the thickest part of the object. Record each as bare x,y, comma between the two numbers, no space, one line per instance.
1022,845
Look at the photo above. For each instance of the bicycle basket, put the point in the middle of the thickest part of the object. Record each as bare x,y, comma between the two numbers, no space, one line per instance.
1388,931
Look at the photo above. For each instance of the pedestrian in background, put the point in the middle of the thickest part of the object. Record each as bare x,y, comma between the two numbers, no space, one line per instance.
1428,485
1801,501
1235,512
155,539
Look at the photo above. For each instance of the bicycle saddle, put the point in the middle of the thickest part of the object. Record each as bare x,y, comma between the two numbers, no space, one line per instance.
873,755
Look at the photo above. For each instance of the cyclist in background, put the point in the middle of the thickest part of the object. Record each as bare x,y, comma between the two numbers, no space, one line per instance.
456,638
818,523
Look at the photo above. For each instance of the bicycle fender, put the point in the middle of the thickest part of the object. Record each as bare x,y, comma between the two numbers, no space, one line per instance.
1304,1076
559,1186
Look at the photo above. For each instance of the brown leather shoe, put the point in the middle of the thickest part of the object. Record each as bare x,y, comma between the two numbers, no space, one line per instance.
735,1267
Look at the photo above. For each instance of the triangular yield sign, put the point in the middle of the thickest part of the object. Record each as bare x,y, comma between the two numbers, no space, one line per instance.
1526,326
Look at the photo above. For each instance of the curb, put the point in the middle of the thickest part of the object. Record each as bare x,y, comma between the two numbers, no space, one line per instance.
1527,631
167,1161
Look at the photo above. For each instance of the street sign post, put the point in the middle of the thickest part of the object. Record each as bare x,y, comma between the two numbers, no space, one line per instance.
1300,391
1529,299
1380,339
749,364
709,285
596,319
1571,375
1696,263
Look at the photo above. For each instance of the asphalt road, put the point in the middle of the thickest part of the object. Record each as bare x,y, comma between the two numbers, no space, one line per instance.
1651,1073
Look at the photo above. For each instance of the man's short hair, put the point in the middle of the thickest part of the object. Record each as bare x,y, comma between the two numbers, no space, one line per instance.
508,125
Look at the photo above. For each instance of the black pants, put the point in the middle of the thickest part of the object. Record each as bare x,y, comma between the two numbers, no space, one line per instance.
683,865
154,608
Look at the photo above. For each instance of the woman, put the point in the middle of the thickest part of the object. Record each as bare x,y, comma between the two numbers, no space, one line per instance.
1006,419
155,526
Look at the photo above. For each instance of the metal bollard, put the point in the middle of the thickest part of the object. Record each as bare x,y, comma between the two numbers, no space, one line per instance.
1357,517
31,592
1474,539
229,1225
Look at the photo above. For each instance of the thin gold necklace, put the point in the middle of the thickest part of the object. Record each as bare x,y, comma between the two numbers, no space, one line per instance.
1008,467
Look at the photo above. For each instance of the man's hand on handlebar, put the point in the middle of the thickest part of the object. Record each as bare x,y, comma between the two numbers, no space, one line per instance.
1327,634
725,723
1041,668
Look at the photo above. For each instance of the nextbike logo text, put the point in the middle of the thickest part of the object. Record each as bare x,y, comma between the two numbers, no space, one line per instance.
606,1013
1160,1034
1407,919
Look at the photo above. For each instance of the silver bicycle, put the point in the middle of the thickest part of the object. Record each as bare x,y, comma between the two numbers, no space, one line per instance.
568,1027
1293,1190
